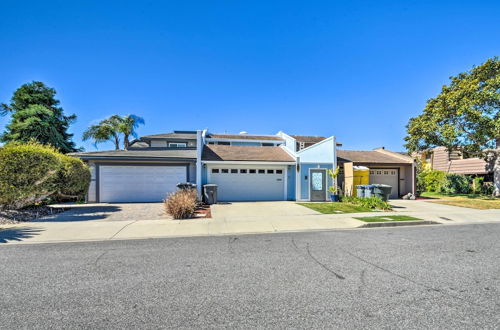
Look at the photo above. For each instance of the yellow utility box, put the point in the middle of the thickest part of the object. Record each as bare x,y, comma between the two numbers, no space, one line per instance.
361,176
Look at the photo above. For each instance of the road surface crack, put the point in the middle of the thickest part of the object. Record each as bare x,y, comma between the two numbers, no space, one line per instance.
325,267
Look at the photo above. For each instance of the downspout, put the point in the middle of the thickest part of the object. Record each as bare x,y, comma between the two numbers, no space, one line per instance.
298,177
199,150
335,183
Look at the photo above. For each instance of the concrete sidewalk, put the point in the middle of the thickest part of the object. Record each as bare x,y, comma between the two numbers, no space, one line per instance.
233,219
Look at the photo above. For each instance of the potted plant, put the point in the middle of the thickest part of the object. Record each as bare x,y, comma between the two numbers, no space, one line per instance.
334,190
334,193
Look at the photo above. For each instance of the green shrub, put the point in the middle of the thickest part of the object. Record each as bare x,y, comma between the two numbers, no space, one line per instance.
431,180
369,202
31,173
28,174
74,178
487,188
477,184
181,204
456,184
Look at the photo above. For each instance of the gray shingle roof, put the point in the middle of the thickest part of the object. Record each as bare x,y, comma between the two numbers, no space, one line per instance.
179,153
245,153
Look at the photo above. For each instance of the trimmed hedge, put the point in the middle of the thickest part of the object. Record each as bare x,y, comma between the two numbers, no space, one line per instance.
31,173
74,177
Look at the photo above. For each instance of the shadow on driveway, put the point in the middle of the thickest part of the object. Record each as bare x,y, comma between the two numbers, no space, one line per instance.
17,234
82,213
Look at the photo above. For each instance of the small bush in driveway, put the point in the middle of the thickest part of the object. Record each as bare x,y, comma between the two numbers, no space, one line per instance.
181,204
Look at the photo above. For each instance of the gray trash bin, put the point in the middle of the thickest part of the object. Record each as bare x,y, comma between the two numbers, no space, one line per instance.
210,193
360,191
383,191
369,190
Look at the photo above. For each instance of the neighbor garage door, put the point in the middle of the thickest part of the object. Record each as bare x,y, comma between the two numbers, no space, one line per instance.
386,176
250,183
138,183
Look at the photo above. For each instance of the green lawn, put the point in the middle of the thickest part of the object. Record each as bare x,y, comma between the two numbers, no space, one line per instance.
466,200
336,208
386,218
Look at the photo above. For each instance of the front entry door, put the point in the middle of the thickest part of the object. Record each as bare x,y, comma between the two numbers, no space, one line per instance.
318,185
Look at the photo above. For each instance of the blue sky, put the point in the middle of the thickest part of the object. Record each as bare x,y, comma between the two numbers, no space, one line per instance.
358,70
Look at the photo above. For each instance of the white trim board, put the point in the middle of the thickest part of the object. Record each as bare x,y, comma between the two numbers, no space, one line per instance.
229,162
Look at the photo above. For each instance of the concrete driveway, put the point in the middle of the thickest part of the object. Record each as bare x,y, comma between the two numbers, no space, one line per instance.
248,211
108,212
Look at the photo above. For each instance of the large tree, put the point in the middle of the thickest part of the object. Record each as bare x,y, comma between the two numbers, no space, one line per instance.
36,115
464,117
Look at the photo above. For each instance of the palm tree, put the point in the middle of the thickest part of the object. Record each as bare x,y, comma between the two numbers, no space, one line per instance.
102,132
109,129
127,125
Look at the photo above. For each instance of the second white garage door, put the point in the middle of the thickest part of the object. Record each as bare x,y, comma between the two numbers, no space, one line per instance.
387,176
251,183
138,183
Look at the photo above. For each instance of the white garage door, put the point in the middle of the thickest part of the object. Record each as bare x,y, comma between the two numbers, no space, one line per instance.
251,183
138,183
386,176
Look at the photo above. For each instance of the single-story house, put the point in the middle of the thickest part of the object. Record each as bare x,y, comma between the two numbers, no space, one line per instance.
245,167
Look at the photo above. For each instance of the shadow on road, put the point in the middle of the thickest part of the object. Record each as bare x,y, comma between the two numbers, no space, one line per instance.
17,234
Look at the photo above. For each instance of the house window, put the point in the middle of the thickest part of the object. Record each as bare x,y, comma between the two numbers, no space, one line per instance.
252,171
225,170
279,171
243,171
270,171
393,172
177,145
372,172
379,172
211,142
233,170
265,144
386,172
262,171
215,170
223,143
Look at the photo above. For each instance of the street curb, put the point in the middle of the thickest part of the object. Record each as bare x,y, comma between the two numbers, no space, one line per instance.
399,223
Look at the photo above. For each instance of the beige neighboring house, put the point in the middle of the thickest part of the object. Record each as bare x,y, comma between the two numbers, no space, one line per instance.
453,162
386,167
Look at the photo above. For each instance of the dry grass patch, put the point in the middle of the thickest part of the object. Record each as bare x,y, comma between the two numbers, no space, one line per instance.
480,202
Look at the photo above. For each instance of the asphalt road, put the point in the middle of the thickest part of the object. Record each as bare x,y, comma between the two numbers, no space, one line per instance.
418,277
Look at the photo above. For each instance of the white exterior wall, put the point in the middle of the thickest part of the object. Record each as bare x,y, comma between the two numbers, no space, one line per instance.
290,142
321,152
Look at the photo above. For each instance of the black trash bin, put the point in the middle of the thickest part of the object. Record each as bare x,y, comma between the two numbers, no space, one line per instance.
186,185
383,191
210,193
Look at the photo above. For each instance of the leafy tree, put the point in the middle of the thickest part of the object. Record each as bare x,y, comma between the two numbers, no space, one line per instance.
109,129
464,116
35,114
